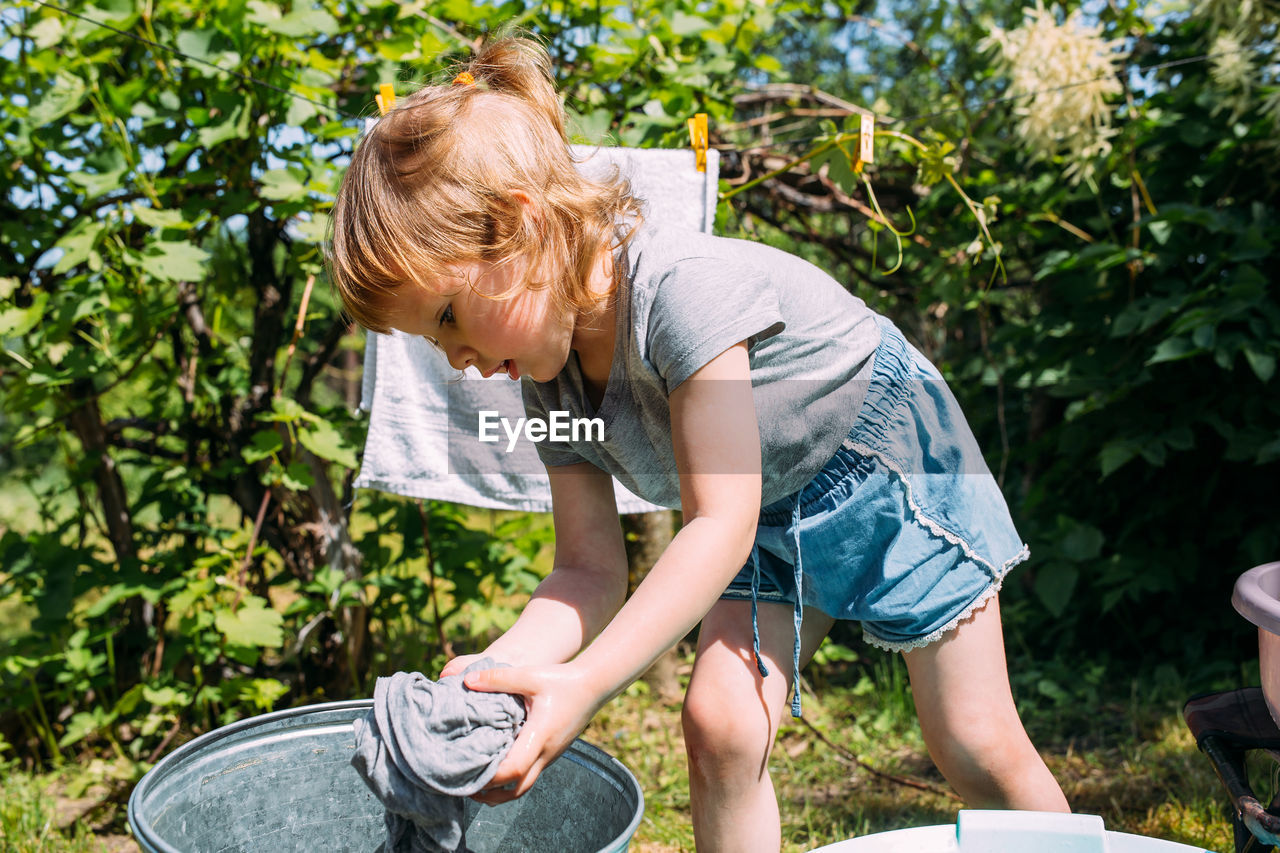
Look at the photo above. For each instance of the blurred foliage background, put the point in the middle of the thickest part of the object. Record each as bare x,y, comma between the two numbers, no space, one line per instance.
1092,189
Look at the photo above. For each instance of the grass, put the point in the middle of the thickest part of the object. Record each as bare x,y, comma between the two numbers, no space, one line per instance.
37,816
1135,764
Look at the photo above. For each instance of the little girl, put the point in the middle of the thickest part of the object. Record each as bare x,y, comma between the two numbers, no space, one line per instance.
823,469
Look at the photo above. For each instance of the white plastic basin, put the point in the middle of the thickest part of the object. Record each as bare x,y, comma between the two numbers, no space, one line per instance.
981,831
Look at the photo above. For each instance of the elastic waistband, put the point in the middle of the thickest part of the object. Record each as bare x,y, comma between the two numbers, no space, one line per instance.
892,361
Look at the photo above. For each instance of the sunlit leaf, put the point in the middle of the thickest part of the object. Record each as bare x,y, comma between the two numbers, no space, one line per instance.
66,93
327,443
282,185
254,623
176,261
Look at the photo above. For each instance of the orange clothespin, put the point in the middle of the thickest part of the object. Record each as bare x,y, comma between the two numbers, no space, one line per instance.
866,135
386,98
698,138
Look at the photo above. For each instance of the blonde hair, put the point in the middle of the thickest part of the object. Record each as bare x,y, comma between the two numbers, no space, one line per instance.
430,187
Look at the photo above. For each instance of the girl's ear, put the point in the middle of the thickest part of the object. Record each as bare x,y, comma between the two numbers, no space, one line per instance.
532,220
527,205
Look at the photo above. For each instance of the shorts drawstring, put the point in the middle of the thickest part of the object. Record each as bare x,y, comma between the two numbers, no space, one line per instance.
755,622
798,618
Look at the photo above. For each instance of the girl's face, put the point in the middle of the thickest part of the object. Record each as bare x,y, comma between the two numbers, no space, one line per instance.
522,335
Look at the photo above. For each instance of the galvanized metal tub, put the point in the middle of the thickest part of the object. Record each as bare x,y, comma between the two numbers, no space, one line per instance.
284,782
1257,598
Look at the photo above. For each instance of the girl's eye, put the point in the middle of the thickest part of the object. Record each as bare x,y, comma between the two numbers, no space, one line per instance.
447,316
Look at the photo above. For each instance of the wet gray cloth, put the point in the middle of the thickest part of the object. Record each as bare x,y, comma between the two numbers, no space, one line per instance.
425,746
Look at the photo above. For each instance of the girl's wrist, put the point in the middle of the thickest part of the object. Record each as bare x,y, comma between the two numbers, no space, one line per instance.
598,672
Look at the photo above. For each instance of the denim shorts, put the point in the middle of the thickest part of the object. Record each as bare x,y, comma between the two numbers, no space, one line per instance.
904,529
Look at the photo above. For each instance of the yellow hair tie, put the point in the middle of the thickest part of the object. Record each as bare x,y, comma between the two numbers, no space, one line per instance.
464,79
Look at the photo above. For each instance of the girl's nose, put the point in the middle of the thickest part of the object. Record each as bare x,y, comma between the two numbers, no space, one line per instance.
460,357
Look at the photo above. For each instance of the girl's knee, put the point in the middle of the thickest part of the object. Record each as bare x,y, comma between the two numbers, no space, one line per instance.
727,722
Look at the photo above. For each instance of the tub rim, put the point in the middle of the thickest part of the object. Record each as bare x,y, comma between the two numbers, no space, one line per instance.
1255,604
579,751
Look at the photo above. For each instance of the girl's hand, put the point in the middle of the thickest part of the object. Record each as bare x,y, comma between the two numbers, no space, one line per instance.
461,662
558,702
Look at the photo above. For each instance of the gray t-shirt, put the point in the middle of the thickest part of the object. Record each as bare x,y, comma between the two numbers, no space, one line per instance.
685,297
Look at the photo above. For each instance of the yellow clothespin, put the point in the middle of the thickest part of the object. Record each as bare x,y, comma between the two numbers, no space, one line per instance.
386,98
698,138
866,135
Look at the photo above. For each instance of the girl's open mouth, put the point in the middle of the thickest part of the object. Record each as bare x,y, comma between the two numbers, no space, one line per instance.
511,370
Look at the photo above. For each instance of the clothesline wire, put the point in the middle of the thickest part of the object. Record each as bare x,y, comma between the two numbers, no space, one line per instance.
1145,69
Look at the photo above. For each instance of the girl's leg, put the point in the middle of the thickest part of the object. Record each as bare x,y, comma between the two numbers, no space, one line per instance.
731,714
969,721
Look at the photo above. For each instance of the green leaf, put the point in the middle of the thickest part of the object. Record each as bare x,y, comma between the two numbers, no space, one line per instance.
76,247
313,230
593,127
19,321
65,94
127,703
937,162
85,723
196,42
166,697
840,166
397,46
1172,349
1204,336
262,693
769,63
46,33
327,443
254,624
1082,542
282,185
233,126
1114,455
175,261
97,183
264,444
1160,230
155,218
300,112
1263,364
306,22
683,24
1053,690
1054,585
297,477
300,22
285,410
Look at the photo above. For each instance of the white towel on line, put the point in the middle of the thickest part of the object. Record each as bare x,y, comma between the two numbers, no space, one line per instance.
421,441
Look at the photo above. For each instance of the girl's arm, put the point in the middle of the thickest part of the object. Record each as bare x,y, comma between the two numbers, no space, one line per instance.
588,580
717,448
